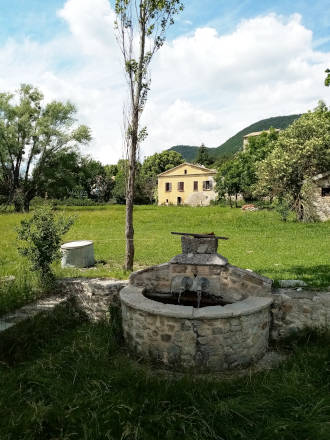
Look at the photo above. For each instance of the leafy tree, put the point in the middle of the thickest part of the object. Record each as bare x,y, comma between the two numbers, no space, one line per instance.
141,26
221,161
111,170
119,190
61,176
30,135
228,180
40,241
93,179
203,157
239,174
301,151
257,149
160,162
327,79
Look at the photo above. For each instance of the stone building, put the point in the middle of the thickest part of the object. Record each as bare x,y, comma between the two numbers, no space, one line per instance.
187,184
322,195
254,134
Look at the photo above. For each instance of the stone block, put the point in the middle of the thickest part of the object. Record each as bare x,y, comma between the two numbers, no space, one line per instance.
207,245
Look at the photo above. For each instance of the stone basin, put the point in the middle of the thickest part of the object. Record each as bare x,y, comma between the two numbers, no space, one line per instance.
211,338
163,322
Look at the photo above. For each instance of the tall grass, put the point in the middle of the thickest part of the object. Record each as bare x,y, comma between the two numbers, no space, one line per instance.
63,378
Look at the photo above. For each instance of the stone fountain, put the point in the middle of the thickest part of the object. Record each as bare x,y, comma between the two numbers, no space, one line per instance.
197,311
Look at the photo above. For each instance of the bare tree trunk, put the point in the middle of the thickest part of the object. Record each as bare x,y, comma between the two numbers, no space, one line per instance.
235,200
148,19
133,137
129,233
129,229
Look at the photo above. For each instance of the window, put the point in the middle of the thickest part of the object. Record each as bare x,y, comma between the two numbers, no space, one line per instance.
180,186
195,186
207,185
325,192
185,171
179,200
168,186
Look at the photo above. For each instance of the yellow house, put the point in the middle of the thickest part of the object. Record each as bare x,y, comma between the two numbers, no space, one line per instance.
186,184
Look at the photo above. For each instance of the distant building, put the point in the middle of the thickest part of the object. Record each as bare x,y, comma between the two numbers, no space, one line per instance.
187,184
253,134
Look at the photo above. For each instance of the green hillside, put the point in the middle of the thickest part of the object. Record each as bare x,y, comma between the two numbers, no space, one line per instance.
188,152
234,144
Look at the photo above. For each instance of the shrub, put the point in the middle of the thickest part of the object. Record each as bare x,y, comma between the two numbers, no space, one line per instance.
41,236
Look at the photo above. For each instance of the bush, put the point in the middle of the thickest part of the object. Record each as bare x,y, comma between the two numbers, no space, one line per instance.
41,236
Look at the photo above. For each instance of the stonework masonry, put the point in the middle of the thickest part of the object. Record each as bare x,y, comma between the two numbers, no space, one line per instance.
227,280
188,338
94,296
294,310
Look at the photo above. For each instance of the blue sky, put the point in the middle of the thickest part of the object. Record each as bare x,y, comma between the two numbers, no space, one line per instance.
37,19
226,65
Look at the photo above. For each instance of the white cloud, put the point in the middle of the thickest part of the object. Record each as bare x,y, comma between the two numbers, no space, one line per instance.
205,86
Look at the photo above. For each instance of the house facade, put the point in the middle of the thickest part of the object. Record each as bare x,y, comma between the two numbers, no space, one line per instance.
187,184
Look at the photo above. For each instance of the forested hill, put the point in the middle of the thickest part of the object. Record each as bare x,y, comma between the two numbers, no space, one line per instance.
188,152
234,144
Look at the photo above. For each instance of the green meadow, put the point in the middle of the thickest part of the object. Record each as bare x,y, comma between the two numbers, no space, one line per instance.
64,378
257,240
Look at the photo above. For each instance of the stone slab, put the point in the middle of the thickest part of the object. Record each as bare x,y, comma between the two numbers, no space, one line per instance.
76,244
200,259
200,245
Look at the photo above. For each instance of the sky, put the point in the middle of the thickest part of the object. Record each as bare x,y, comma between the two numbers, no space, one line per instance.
224,66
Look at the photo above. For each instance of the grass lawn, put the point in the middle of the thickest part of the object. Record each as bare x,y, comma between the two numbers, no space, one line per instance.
65,379
257,241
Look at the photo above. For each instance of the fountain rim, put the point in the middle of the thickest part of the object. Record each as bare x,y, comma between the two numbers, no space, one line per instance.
133,297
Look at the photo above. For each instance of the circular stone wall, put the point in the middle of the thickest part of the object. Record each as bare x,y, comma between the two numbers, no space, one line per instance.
212,338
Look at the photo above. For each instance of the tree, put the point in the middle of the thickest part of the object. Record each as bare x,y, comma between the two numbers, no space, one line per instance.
30,136
120,187
156,164
301,151
141,26
257,149
327,79
203,157
93,179
60,176
228,179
